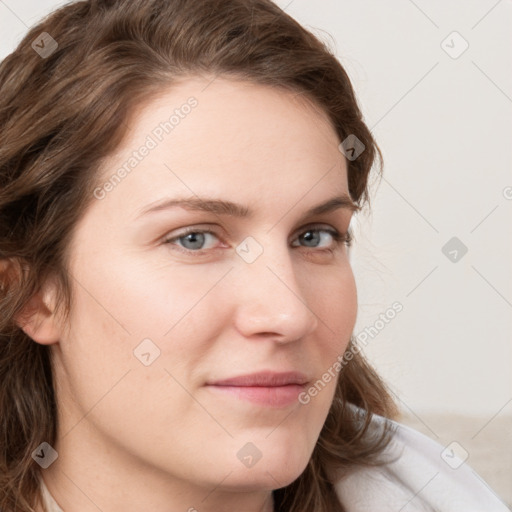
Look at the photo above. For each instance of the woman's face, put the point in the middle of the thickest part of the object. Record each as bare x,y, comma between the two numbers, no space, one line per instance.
160,317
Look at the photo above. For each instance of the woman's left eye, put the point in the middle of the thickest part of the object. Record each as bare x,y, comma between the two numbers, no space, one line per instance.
194,240
314,236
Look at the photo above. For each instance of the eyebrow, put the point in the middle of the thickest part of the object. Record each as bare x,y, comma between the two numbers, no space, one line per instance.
223,207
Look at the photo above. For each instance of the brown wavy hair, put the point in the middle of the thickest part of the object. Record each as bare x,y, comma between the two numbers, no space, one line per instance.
61,114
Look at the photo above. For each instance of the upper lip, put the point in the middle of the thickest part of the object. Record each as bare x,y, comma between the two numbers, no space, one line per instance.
264,379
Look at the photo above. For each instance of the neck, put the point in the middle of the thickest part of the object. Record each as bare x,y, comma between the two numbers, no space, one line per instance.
85,479
79,496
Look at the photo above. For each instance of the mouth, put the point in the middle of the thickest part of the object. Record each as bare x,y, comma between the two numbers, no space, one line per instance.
267,388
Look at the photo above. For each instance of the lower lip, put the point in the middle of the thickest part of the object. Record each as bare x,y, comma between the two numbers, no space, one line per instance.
272,396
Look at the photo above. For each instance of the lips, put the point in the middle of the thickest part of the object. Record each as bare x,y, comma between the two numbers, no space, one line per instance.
264,379
269,389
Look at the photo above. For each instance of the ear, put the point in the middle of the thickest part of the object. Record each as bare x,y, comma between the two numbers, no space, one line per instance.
39,319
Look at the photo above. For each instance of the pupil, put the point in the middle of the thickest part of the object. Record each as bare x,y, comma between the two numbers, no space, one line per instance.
311,236
197,240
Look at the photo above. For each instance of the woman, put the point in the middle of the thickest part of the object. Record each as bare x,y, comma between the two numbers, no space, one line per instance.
178,179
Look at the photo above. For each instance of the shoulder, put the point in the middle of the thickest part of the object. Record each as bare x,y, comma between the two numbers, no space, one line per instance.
419,475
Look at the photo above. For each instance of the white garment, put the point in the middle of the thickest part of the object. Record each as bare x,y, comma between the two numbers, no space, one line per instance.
418,481
50,505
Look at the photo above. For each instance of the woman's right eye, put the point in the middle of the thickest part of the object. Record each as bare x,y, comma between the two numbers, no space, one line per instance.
192,240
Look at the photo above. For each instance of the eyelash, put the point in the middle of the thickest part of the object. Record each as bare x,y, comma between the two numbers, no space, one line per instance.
339,238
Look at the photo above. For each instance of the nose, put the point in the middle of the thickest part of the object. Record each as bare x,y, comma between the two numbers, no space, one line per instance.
271,302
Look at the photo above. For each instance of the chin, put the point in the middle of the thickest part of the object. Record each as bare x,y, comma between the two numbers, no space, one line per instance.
278,467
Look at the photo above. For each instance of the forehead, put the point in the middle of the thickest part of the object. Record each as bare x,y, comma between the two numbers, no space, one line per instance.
229,138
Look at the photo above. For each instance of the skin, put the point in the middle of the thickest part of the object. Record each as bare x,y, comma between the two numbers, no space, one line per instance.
135,437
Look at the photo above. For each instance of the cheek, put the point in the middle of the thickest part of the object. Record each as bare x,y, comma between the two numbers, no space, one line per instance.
125,315
335,304
95,352
158,300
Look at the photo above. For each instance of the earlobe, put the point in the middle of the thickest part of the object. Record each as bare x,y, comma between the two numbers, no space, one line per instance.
38,317
38,320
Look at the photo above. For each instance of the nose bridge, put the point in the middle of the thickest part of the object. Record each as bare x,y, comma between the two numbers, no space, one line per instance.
271,299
